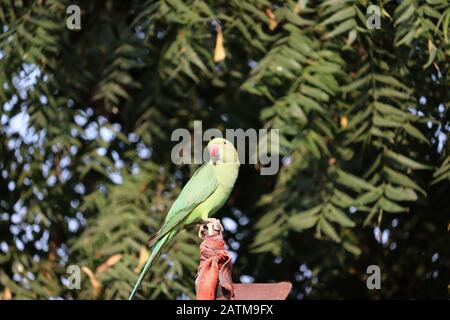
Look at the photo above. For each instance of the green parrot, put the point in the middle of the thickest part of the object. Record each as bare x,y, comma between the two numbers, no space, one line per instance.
202,196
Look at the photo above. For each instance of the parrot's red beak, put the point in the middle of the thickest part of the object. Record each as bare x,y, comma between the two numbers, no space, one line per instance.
213,150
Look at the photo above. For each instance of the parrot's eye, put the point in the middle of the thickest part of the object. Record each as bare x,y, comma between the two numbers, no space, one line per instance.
224,142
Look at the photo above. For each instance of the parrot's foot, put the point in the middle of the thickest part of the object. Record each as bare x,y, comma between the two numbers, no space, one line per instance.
210,227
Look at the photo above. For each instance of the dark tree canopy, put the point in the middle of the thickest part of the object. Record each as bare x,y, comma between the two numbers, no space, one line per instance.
86,119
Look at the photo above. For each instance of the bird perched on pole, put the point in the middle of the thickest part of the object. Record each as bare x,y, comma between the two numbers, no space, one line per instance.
202,196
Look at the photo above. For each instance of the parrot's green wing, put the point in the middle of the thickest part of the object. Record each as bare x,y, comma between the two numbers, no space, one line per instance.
201,185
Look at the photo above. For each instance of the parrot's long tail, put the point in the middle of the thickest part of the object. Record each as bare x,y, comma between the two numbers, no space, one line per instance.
156,249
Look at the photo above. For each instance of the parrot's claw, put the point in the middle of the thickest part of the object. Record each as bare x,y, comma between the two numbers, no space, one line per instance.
212,226
201,230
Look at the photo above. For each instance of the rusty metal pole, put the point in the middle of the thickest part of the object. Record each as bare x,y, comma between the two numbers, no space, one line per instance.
214,281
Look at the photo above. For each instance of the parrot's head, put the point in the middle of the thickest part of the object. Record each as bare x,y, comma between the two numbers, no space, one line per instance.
222,151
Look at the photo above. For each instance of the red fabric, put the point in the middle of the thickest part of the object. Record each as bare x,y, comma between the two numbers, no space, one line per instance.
214,268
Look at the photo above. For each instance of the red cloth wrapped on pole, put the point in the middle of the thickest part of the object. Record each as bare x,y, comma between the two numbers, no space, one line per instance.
215,264
213,279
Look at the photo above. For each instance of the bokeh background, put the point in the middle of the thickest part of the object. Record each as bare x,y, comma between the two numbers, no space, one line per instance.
86,118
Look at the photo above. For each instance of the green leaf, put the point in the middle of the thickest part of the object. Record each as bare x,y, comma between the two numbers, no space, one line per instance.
310,104
406,39
385,122
314,93
340,15
387,109
341,199
400,194
350,247
406,15
390,206
368,197
354,85
328,230
402,180
432,50
406,161
300,222
341,28
305,219
337,215
353,182
416,133
391,81
371,214
391,93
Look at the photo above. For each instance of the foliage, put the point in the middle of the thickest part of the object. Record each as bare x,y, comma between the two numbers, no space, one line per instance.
87,116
